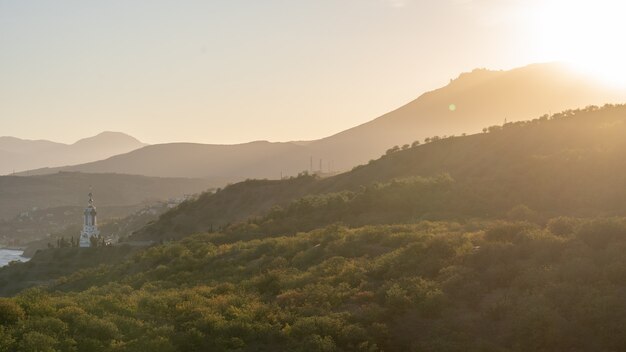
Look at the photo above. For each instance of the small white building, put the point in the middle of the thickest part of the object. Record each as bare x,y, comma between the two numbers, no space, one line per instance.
90,225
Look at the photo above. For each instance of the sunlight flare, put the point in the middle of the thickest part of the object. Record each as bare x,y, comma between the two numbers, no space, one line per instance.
584,34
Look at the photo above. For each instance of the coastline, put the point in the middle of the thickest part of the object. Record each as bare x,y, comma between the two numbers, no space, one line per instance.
8,255
23,248
13,248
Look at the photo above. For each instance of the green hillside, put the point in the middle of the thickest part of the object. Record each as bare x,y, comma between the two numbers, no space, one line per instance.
509,240
47,266
571,163
421,287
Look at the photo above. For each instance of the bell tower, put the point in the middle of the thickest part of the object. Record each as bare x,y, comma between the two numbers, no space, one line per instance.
90,225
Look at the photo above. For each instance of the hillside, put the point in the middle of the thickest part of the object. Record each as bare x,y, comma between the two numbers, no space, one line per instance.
460,244
568,164
18,155
115,225
47,266
43,224
481,98
422,287
20,194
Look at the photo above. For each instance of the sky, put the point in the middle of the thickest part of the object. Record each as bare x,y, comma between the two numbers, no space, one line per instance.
236,71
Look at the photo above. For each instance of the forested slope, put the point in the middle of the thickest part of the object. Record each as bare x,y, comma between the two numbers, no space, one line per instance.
571,163
456,245
422,287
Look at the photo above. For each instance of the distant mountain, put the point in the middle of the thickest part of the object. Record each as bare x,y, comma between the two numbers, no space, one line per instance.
469,103
219,163
20,154
21,194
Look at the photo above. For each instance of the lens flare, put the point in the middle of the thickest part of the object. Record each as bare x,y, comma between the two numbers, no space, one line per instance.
585,34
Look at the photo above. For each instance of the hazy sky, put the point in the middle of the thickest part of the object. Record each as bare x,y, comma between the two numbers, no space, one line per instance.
235,71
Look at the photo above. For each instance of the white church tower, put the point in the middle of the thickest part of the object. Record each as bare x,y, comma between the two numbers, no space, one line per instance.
90,225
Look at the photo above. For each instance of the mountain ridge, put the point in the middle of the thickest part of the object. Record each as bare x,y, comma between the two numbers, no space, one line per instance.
566,164
18,154
481,98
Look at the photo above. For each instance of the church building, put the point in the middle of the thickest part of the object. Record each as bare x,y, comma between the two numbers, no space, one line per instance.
90,225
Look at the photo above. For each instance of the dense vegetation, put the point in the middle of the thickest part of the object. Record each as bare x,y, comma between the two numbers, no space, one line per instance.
47,266
461,244
422,287
570,164
212,211
399,201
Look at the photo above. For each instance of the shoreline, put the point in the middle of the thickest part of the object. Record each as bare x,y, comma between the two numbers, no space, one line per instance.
9,248
10,255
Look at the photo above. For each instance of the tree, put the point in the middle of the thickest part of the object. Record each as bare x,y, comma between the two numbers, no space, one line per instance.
63,243
6,340
522,212
392,150
562,226
33,341
10,312
95,241
494,128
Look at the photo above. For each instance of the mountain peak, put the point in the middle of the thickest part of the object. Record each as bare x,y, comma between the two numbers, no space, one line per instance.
111,137
481,75
21,154
474,100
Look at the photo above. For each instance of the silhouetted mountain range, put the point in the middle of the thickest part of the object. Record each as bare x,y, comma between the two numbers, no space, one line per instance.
469,103
21,154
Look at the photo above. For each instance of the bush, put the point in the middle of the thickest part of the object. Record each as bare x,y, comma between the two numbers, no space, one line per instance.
562,226
10,312
598,234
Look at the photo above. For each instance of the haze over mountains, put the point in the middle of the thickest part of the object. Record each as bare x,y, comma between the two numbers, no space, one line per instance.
468,104
20,154
19,194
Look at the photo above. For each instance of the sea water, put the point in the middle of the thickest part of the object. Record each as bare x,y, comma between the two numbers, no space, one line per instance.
8,255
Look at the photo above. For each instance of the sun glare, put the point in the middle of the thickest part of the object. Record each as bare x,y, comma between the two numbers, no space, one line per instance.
585,34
